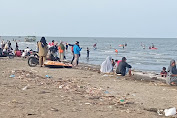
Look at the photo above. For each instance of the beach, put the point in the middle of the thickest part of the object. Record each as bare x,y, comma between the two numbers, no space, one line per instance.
78,93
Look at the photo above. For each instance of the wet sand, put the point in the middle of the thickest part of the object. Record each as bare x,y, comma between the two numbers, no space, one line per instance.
78,93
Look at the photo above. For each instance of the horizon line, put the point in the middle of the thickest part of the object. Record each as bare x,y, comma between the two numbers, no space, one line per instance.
82,36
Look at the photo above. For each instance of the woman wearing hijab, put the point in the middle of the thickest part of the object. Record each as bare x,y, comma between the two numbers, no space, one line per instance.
43,50
106,66
172,73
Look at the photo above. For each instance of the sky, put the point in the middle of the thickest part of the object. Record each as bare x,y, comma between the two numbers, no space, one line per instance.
89,18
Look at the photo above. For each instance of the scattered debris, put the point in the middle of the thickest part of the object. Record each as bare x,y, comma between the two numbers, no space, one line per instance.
43,92
88,103
30,114
26,87
122,100
12,76
75,85
54,109
170,112
160,112
48,76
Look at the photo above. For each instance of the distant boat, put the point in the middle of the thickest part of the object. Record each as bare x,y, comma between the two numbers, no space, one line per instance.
30,39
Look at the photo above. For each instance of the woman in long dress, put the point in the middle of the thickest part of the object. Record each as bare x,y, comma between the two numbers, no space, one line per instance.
106,66
172,73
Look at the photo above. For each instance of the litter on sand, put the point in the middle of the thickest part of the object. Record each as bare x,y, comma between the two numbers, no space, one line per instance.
170,112
12,76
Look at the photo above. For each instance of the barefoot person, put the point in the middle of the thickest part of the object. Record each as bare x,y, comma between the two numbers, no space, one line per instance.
43,50
172,73
77,50
123,67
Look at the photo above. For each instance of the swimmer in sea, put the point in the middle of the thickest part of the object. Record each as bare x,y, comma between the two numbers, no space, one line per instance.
143,46
153,45
116,51
94,45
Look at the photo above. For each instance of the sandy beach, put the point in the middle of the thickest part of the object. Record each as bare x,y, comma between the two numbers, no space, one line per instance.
78,93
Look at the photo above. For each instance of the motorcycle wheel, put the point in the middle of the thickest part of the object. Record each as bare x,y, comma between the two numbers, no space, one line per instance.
32,61
11,56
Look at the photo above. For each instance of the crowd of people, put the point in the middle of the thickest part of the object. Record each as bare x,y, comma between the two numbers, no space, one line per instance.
56,52
121,66
5,47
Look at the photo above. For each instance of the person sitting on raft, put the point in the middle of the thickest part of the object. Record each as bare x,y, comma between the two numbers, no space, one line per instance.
163,72
123,67
172,73
106,66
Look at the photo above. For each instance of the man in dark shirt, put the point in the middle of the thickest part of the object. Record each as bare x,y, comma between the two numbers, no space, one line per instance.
121,68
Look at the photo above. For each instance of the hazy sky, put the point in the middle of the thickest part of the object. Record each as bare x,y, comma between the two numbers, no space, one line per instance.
107,18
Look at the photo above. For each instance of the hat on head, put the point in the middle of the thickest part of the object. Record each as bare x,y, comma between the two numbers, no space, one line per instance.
77,42
124,59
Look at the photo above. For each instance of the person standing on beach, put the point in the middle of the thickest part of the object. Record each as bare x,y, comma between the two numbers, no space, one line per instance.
123,67
72,51
2,44
43,50
66,46
88,51
61,49
77,50
16,47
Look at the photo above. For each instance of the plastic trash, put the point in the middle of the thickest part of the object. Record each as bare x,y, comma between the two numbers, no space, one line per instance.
160,112
170,112
122,100
26,87
88,103
48,76
106,92
12,76
105,75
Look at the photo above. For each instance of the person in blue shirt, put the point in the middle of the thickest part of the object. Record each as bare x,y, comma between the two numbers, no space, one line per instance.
76,50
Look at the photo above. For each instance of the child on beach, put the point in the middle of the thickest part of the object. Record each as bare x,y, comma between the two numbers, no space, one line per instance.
163,72
113,63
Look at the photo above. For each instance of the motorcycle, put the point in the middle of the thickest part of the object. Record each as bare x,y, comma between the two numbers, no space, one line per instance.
6,54
33,60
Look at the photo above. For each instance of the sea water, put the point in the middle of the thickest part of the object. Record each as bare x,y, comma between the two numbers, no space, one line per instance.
140,59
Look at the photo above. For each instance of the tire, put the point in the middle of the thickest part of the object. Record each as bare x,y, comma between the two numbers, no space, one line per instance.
33,61
11,56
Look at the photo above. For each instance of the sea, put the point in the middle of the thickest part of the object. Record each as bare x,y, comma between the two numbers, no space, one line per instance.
141,59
